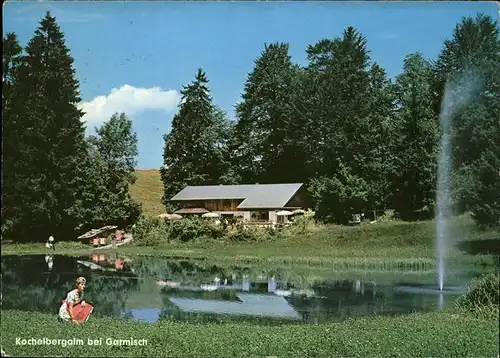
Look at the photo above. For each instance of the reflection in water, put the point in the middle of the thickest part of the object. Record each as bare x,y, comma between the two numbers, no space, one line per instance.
257,305
39,283
50,261
148,289
143,314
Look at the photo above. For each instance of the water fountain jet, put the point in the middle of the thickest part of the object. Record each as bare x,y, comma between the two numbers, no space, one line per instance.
456,94
443,184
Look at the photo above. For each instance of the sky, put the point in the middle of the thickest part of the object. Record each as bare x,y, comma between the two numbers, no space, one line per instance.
134,57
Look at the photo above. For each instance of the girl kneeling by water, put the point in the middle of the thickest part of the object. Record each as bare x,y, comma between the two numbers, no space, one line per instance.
74,308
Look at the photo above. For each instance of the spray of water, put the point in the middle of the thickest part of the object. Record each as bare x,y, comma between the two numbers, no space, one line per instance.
443,184
457,93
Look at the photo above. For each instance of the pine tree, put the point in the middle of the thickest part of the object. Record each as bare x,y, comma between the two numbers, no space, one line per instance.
265,118
306,130
341,74
12,131
193,151
52,143
376,157
417,142
349,111
471,61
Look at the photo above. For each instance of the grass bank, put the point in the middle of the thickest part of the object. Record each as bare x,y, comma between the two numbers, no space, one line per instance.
382,246
425,335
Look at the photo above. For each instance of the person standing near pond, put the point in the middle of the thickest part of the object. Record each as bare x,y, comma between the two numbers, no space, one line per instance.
52,242
74,308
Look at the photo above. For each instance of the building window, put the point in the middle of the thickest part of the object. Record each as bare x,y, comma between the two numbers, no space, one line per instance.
260,215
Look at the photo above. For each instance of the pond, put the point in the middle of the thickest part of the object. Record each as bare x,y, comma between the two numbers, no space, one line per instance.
153,288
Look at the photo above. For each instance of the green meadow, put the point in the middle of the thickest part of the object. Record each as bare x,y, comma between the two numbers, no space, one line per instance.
384,245
445,334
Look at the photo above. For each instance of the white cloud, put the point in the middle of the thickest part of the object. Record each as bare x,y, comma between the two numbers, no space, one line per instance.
131,100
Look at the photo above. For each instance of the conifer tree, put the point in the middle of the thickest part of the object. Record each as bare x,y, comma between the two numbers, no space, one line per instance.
52,142
470,60
264,151
12,131
193,150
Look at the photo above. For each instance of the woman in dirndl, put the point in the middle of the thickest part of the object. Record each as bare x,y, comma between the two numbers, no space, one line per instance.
74,308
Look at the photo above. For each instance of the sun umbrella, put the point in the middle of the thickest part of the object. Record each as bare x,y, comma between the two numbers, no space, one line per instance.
174,217
210,215
170,216
284,213
298,212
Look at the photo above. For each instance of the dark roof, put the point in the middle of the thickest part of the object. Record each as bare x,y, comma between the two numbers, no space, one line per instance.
253,196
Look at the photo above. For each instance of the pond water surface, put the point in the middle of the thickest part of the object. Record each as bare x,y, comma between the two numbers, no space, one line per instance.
152,288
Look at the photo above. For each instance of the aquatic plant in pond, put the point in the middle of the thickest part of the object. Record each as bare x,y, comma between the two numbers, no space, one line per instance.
482,297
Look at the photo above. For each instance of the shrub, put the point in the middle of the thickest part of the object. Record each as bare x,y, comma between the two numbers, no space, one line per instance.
189,229
156,236
301,225
243,234
482,296
387,215
150,231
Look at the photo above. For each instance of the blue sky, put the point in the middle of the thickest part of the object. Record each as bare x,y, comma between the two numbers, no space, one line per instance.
136,56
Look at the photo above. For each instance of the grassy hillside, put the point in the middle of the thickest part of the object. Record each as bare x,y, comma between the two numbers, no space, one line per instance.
148,190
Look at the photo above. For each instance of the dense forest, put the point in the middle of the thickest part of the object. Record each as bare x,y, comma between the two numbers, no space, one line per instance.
359,140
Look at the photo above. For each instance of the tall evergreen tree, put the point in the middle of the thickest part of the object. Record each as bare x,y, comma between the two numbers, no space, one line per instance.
221,133
376,159
10,60
352,112
417,141
471,61
264,115
12,131
342,78
53,139
193,149
304,137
